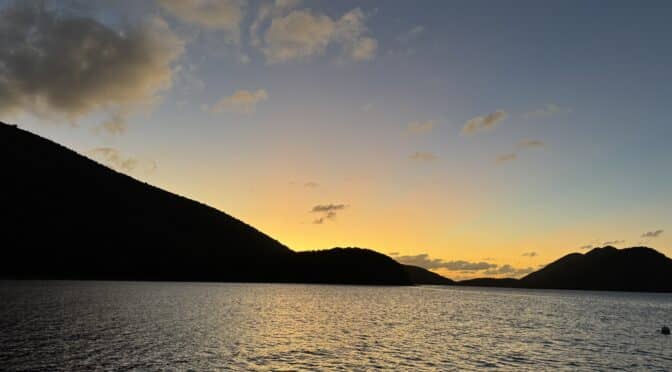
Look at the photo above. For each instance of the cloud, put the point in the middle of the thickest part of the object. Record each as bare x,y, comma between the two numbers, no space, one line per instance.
614,242
328,212
113,158
411,34
114,125
507,158
549,109
328,208
509,270
311,185
423,260
266,11
59,65
212,14
588,246
530,254
302,35
420,127
242,101
426,157
652,234
531,144
484,123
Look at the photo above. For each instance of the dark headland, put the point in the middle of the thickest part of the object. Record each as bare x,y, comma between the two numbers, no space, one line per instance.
65,216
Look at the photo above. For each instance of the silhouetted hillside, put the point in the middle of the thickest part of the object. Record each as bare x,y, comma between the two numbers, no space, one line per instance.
66,216
350,266
420,275
629,269
608,268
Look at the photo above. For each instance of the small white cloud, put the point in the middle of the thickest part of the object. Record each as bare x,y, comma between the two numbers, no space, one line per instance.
242,101
484,123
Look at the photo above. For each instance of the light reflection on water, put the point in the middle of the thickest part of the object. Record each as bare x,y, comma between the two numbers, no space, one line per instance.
209,326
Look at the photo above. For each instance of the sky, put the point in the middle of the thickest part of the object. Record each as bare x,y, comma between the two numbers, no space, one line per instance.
474,138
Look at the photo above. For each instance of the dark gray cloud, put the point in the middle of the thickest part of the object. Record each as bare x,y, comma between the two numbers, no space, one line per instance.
68,65
587,246
509,270
423,260
327,211
328,208
614,242
652,234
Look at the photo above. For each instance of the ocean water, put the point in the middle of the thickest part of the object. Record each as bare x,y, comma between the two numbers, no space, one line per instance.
72,326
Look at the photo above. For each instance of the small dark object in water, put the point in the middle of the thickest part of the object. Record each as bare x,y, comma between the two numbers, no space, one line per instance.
665,330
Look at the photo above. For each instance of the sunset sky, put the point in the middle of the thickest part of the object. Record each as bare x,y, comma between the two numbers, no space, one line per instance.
471,137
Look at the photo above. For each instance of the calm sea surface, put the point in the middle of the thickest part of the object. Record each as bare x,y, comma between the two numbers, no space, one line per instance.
49,326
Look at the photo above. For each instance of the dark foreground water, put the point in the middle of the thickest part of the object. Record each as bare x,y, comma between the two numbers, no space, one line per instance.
48,326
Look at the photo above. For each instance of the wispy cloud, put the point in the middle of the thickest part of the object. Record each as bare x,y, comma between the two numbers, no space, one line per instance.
242,101
530,254
484,123
529,144
505,158
614,242
652,234
425,157
549,109
412,34
420,127
311,185
212,14
113,158
587,246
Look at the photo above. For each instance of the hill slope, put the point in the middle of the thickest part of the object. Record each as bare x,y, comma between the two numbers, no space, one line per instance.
608,268
66,216
420,275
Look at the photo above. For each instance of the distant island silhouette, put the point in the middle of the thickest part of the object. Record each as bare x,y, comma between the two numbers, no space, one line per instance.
66,216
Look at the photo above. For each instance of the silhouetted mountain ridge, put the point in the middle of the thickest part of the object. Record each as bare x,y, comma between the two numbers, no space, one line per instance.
608,268
66,216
